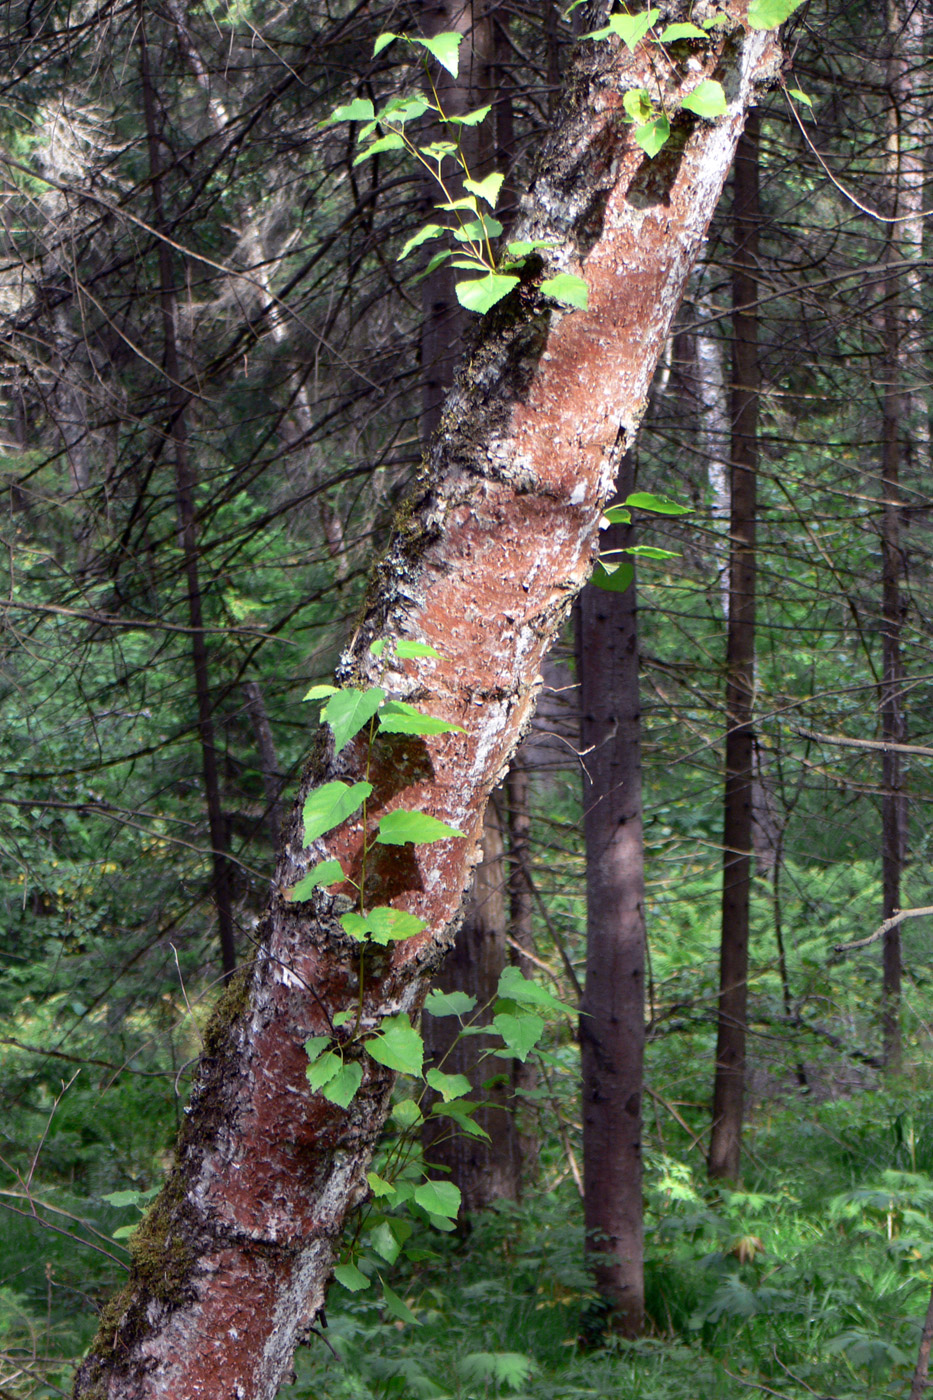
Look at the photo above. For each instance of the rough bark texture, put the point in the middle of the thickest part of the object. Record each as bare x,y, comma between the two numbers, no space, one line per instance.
612,1021
729,1087
232,1262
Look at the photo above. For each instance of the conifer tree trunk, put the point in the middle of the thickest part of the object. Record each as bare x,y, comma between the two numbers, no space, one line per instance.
729,1086
232,1262
612,1020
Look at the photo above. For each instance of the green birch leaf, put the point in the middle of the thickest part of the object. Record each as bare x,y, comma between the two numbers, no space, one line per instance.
397,717
653,137
384,1242
326,872
378,647
359,110
392,142
674,32
343,1018
567,289
398,1046
522,989
435,262
399,827
638,105
480,294
349,710
379,1186
422,236
406,1114
445,48
618,515
708,99
449,1003
404,109
487,189
439,1198
631,29
350,1277
801,96
470,118
661,505
437,150
323,1069
768,14
650,551
341,1089
520,1033
478,230
449,1086
397,1307
522,247
382,42
328,806
315,1046
459,1112
614,579
467,202
383,925
407,649
320,692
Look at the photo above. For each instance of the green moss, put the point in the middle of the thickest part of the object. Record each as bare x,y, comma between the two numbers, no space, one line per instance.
229,1008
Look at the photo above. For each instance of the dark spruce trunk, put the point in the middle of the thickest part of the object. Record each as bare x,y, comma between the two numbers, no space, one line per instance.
729,1086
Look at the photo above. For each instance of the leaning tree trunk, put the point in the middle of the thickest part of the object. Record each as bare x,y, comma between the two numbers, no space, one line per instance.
231,1264
729,1087
612,1019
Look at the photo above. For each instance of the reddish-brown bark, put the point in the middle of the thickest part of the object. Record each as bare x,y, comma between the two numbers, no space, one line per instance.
232,1264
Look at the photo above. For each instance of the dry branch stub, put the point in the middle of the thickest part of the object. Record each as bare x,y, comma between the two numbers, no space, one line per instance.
499,535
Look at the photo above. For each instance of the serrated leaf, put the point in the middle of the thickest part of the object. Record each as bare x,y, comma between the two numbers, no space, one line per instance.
467,202
449,1003
359,110
768,14
407,649
328,806
482,293
320,692
520,1033
406,1114
379,1186
404,109
631,29
341,1089
708,99
439,1198
654,136
383,925
661,505
322,1070
326,872
445,48
522,247
397,1306
378,647
650,551
567,289
801,96
350,1277
399,827
437,150
449,1086
617,515
614,579
529,993
384,1242
459,1112
382,42
422,236
398,1046
638,105
673,32
475,118
316,1045
343,1018
487,189
349,710
392,142
435,262
397,717
477,230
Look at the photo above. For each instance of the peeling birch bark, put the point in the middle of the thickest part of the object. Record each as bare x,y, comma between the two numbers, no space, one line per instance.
233,1260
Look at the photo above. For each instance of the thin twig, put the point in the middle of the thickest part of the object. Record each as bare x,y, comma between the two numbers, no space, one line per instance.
884,928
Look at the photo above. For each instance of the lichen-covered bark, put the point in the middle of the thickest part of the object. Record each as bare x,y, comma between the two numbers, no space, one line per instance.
499,534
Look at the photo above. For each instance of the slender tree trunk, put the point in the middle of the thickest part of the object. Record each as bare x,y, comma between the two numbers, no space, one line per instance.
177,434
232,1261
612,1020
272,780
921,1381
521,930
902,412
729,1087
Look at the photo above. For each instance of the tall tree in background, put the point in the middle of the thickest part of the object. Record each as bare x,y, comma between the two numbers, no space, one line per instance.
612,1014
231,1264
729,1086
